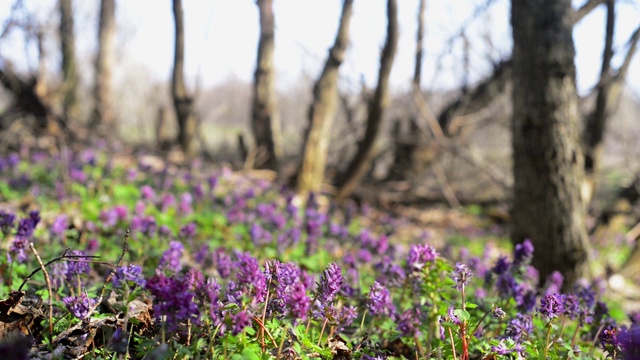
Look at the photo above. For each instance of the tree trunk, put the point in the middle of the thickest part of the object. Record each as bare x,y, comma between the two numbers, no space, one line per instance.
102,108
69,69
360,164
323,110
265,121
548,162
407,143
182,102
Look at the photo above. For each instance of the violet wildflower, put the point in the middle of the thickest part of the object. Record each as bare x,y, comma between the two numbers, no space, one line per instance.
58,273
551,306
147,193
188,231
7,221
346,316
501,348
330,283
498,313
461,275
298,302
501,266
130,274
419,256
379,300
79,265
241,320
409,322
609,340
519,327
59,226
170,259
186,201
222,262
451,317
571,305
173,299
523,253
629,339
79,306
251,277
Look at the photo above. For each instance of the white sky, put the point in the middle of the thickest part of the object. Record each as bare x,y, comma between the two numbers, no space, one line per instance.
222,35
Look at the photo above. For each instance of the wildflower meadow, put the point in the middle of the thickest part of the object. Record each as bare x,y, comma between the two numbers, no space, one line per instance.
118,258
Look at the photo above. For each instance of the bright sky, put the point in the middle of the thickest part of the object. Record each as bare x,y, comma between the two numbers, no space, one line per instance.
222,35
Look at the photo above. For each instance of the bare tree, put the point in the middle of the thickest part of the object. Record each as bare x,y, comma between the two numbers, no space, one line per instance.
69,68
323,110
265,121
359,165
548,162
182,102
102,108
406,145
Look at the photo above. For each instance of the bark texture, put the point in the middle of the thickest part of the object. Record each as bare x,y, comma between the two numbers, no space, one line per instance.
102,108
182,102
69,68
360,164
323,110
265,122
548,161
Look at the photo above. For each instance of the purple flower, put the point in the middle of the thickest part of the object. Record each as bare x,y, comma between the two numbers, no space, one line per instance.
186,200
170,259
610,341
131,274
223,263
7,221
551,306
554,283
330,283
461,276
298,301
188,231
571,305
379,300
78,266
523,253
501,348
419,256
79,306
58,274
501,266
59,226
409,322
173,298
147,193
241,320
251,277
519,327
630,342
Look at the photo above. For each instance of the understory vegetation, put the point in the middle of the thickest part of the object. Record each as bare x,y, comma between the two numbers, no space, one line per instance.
126,257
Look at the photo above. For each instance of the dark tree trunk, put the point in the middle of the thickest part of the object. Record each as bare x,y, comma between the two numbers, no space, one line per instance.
548,162
323,110
265,122
69,69
102,109
182,101
360,164
407,142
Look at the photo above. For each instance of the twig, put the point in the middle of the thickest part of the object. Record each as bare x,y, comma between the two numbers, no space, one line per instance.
48,280
62,257
125,248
